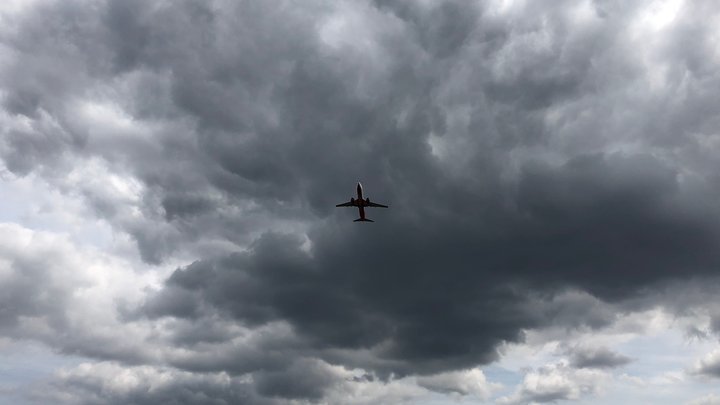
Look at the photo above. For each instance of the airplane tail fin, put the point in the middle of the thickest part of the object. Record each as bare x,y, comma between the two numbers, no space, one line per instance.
363,220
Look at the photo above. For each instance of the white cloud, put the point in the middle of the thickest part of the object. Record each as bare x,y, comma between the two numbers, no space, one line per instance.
658,14
709,399
67,295
556,382
466,382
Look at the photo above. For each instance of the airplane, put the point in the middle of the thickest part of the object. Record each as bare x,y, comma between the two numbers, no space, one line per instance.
361,204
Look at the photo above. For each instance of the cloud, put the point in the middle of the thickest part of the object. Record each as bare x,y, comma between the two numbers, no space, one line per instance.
59,294
110,383
599,357
555,383
333,309
709,399
303,379
467,382
541,175
708,366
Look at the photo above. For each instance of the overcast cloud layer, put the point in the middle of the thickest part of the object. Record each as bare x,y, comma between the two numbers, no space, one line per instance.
170,170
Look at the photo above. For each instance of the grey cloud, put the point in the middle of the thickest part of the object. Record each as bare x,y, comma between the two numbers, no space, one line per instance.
324,307
708,366
270,349
128,32
301,379
599,357
442,28
41,297
465,382
172,301
695,332
637,208
21,296
100,383
574,309
255,102
354,291
563,162
95,384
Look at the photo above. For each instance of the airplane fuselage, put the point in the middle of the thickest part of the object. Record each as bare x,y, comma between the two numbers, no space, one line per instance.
361,203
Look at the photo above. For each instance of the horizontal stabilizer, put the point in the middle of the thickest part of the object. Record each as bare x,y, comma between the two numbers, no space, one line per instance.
363,220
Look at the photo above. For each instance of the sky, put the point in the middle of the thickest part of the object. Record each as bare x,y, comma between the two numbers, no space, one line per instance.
169,172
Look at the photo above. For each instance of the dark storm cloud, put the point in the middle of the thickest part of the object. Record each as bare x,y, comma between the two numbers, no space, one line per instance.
360,290
604,214
346,309
524,153
600,357
356,291
302,379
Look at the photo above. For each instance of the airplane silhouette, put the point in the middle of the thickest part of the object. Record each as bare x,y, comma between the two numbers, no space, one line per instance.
361,204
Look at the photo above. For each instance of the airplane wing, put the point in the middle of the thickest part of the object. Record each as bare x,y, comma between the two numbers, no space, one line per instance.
347,204
372,204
